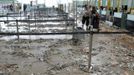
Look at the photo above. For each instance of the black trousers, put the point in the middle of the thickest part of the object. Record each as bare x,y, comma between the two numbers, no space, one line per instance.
95,22
85,19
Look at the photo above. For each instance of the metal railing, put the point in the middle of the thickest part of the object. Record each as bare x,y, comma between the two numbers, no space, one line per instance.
64,33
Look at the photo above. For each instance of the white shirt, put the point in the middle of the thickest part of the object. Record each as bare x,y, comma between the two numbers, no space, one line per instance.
87,13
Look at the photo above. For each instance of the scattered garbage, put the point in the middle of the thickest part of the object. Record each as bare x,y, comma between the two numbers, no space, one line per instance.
110,56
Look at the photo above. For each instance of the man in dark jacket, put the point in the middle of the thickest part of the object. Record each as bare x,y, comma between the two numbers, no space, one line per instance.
95,18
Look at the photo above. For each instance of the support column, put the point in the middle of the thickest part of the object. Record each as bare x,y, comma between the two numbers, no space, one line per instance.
17,30
7,17
109,4
96,3
103,2
99,3
124,20
76,13
90,50
118,5
132,5
114,4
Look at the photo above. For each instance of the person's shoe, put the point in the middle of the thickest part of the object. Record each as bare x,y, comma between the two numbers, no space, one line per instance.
86,28
98,30
82,26
89,28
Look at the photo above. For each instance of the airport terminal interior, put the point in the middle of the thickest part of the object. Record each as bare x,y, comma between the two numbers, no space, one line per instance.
66,37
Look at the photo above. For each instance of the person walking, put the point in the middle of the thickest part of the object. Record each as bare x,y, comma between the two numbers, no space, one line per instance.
95,18
86,16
